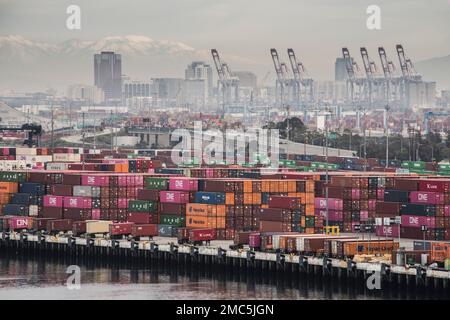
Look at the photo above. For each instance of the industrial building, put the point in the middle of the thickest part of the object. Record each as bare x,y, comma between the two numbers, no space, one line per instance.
108,74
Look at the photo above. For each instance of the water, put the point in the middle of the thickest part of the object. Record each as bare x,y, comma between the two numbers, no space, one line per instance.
45,278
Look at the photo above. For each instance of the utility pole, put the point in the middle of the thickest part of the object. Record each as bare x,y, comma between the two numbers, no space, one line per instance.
112,131
326,174
387,136
83,132
52,124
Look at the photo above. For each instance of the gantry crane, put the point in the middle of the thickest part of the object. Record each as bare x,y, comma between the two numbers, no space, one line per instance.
303,84
355,81
281,82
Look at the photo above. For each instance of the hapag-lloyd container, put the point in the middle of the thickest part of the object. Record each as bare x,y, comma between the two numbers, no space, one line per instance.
174,197
426,197
53,201
333,203
387,231
20,223
77,202
94,180
418,221
183,184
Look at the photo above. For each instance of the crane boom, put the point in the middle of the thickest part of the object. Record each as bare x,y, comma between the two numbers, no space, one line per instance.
402,60
384,62
366,62
218,64
294,64
277,64
348,64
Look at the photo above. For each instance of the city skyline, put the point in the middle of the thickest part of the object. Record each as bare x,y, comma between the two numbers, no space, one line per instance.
243,33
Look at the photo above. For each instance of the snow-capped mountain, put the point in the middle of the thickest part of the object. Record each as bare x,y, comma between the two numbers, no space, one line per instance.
27,64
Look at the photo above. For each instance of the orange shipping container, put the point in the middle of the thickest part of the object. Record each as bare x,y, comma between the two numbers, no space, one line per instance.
9,187
248,186
256,198
229,198
292,186
5,198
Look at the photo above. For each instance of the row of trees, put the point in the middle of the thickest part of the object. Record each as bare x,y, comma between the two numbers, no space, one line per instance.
431,147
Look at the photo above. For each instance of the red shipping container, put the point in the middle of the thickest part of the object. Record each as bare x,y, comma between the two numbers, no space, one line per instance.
387,231
59,225
173,208
79,227
52,212
442,186
254,240
151,195
142,217
202,234
284,202
120,228
61,190
144,230
174,197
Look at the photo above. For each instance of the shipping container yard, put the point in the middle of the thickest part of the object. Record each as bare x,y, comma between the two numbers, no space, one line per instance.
103,205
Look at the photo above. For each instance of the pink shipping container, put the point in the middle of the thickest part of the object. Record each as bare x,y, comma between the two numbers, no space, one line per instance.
372,204
356,194
183,184
95,214
333,215
209,173
53,201
333,203
77,202
418,221
380,193
447,210
174,197
426,197
364,215
20,223
122,203
387,231
91,180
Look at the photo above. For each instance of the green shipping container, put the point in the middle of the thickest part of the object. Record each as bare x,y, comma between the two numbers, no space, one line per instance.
10,176
142,206
309,222
156,183
172,220
444,167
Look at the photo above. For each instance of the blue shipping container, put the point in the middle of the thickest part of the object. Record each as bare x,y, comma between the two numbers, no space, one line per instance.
210,197
15,210
165,230
31,187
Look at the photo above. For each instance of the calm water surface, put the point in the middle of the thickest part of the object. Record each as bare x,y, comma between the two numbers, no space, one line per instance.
45,278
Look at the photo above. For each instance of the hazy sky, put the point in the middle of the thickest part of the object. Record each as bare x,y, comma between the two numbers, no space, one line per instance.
317,29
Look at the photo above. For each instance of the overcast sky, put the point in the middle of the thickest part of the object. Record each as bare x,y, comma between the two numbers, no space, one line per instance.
317,29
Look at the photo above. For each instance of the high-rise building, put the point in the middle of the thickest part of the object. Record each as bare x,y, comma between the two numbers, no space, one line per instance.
108,74
199,70
340,69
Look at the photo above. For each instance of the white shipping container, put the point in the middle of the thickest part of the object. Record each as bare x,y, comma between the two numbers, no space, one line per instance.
300,241
8,165
66,157
86,191
33,210
57,166
97,226
34,159
26,151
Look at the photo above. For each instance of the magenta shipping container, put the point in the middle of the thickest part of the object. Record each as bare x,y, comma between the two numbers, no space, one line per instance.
123,203
95,214
372,204
333,215
418,221
77,202
183,184
434,185
20,223
174,197
53,201
356,194
91,180
387,231
426,197
254,240
333,203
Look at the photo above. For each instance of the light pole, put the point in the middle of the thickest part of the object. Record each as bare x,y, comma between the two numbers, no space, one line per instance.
387,136
326,173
